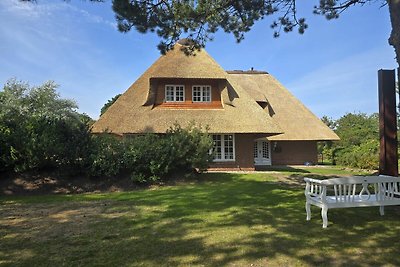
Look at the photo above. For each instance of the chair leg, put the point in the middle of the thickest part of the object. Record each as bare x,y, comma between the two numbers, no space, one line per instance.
382,210
324,214
308,210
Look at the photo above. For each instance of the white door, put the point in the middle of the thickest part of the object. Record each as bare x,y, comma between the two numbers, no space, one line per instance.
262,153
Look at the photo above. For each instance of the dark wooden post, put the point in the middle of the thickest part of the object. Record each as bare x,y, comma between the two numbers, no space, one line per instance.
387,123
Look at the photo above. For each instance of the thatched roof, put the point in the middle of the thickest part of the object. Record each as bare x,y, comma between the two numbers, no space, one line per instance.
296,121
178,65
133,112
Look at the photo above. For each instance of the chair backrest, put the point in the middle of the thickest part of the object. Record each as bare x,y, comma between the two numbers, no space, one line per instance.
348,189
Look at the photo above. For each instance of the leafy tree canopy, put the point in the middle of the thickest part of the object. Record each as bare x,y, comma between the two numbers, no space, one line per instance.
108,104
331,123
199,20
359,141
39,129
18,98
354,129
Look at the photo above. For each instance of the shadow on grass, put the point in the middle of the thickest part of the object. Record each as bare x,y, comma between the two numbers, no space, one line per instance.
282,168
298,179
228,219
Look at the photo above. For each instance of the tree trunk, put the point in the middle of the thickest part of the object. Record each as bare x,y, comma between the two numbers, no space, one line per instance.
394,39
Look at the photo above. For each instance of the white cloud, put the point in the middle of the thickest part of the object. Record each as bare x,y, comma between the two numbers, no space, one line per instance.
56,40
49,10
95,18
348,85
30,10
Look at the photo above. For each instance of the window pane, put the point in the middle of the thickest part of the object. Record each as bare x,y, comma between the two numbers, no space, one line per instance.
169,93
206,93
174,93
196,94
228,146
217,146
265,149
201,93
179,93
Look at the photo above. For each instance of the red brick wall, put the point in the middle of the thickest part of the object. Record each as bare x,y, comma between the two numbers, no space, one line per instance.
286,153
294,152
244,145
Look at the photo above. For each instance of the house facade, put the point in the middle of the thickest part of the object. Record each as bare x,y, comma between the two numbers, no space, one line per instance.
253,120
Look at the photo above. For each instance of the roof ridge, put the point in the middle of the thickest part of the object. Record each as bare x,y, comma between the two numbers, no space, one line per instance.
246,72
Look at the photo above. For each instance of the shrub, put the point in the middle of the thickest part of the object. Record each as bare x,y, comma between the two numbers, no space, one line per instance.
106,155
146,156
364,156
40,130
190,147
151,157
359,141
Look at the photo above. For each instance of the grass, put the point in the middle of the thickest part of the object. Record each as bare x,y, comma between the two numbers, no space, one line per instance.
328,170
223,219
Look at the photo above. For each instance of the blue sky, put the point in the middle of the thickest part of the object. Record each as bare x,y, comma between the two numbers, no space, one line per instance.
332,68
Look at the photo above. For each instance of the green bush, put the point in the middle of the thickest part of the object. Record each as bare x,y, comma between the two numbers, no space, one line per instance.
191,146
106,156
146,156
364,156
359,141
40,130
151,157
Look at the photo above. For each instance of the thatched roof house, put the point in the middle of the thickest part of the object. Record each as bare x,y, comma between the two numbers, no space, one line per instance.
254,120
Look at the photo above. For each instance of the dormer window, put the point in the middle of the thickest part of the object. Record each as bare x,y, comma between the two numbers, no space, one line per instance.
174,93
201,93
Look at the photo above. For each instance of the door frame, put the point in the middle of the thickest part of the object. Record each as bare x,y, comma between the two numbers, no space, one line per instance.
261,161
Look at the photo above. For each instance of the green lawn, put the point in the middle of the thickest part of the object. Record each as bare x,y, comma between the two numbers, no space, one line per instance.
221,219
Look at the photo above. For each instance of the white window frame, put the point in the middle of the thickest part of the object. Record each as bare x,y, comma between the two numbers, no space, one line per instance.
259,151
223,158
174,92
202,87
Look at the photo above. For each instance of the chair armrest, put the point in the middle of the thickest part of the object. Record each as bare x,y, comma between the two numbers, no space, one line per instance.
315,188
315,181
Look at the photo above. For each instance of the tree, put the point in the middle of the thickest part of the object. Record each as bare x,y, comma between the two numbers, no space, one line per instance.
328,121
38,129
359,141
324,148
359,144
108,104
199,20
354,129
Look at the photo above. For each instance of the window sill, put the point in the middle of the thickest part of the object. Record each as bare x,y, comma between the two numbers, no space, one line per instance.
190,105
223,160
